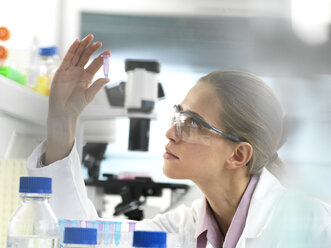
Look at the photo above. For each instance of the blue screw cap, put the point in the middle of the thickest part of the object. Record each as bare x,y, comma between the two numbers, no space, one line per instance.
41,185
48,51
149,239
80,235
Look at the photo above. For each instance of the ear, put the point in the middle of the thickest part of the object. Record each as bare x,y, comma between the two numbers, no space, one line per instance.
241,155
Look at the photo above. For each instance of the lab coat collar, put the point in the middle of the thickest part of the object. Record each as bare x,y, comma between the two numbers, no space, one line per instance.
200,228
207,223
263,203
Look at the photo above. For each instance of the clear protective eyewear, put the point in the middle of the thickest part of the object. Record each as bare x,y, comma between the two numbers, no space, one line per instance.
192,128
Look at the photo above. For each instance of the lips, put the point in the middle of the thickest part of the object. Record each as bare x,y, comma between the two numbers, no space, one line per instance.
169,155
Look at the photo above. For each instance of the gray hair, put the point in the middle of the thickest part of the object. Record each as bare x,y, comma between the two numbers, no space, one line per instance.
251,111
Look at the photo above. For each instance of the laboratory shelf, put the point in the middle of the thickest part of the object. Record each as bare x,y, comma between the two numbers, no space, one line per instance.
23,103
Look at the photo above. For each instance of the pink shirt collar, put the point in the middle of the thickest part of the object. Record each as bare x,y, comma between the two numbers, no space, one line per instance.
207,227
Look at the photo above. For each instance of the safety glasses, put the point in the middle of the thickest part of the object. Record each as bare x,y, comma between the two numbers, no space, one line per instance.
193,129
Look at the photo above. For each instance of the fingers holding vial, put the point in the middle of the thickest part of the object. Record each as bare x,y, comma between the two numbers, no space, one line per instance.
101,60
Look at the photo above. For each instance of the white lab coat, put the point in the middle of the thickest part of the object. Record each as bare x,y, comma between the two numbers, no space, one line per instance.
276,218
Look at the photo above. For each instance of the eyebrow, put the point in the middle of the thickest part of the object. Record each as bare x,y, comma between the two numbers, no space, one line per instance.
192,112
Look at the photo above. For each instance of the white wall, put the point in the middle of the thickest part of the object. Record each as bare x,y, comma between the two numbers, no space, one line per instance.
28,18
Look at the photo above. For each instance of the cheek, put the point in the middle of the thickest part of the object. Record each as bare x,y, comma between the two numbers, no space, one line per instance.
193,163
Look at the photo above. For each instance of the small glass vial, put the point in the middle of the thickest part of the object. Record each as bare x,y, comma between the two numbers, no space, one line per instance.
80,237
149,239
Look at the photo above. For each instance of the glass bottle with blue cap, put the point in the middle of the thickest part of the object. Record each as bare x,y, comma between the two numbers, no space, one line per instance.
49,61
80,237
33,224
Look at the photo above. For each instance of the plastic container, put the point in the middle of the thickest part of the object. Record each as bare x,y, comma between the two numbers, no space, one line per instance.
3,54
4,33
48,63
33,224
79,237
149,239
13,74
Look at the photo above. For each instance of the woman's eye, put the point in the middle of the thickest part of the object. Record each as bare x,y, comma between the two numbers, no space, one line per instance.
194,123
189,122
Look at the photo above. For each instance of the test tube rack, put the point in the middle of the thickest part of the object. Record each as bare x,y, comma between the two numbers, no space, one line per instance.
110,233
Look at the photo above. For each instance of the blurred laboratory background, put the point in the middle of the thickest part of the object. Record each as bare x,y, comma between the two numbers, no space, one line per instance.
287,43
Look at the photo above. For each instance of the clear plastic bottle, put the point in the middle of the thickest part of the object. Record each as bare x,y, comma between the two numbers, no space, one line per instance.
80,237
33,64
149,239
48,63
33,224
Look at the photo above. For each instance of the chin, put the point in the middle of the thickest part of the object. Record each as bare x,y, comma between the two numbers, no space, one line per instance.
172,171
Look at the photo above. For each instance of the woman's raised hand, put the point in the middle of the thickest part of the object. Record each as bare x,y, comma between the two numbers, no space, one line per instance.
72,87
71,91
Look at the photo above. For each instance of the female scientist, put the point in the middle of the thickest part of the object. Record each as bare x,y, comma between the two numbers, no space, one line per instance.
224,135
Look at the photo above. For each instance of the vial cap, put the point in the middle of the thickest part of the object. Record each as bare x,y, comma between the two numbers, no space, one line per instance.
79,235
48,51
149,239
4,33
3,53
41,185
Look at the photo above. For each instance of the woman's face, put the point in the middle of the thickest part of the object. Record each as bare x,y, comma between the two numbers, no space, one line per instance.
197,161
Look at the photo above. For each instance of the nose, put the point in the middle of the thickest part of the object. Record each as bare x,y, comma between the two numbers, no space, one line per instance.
171,134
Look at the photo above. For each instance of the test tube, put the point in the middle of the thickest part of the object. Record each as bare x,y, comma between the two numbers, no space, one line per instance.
106,234
74,223
68,223
132,226
62,224
112,230
88,223
100,232
117,233
106,58
95,224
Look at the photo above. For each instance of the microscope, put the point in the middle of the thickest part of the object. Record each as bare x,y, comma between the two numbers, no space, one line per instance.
137,97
